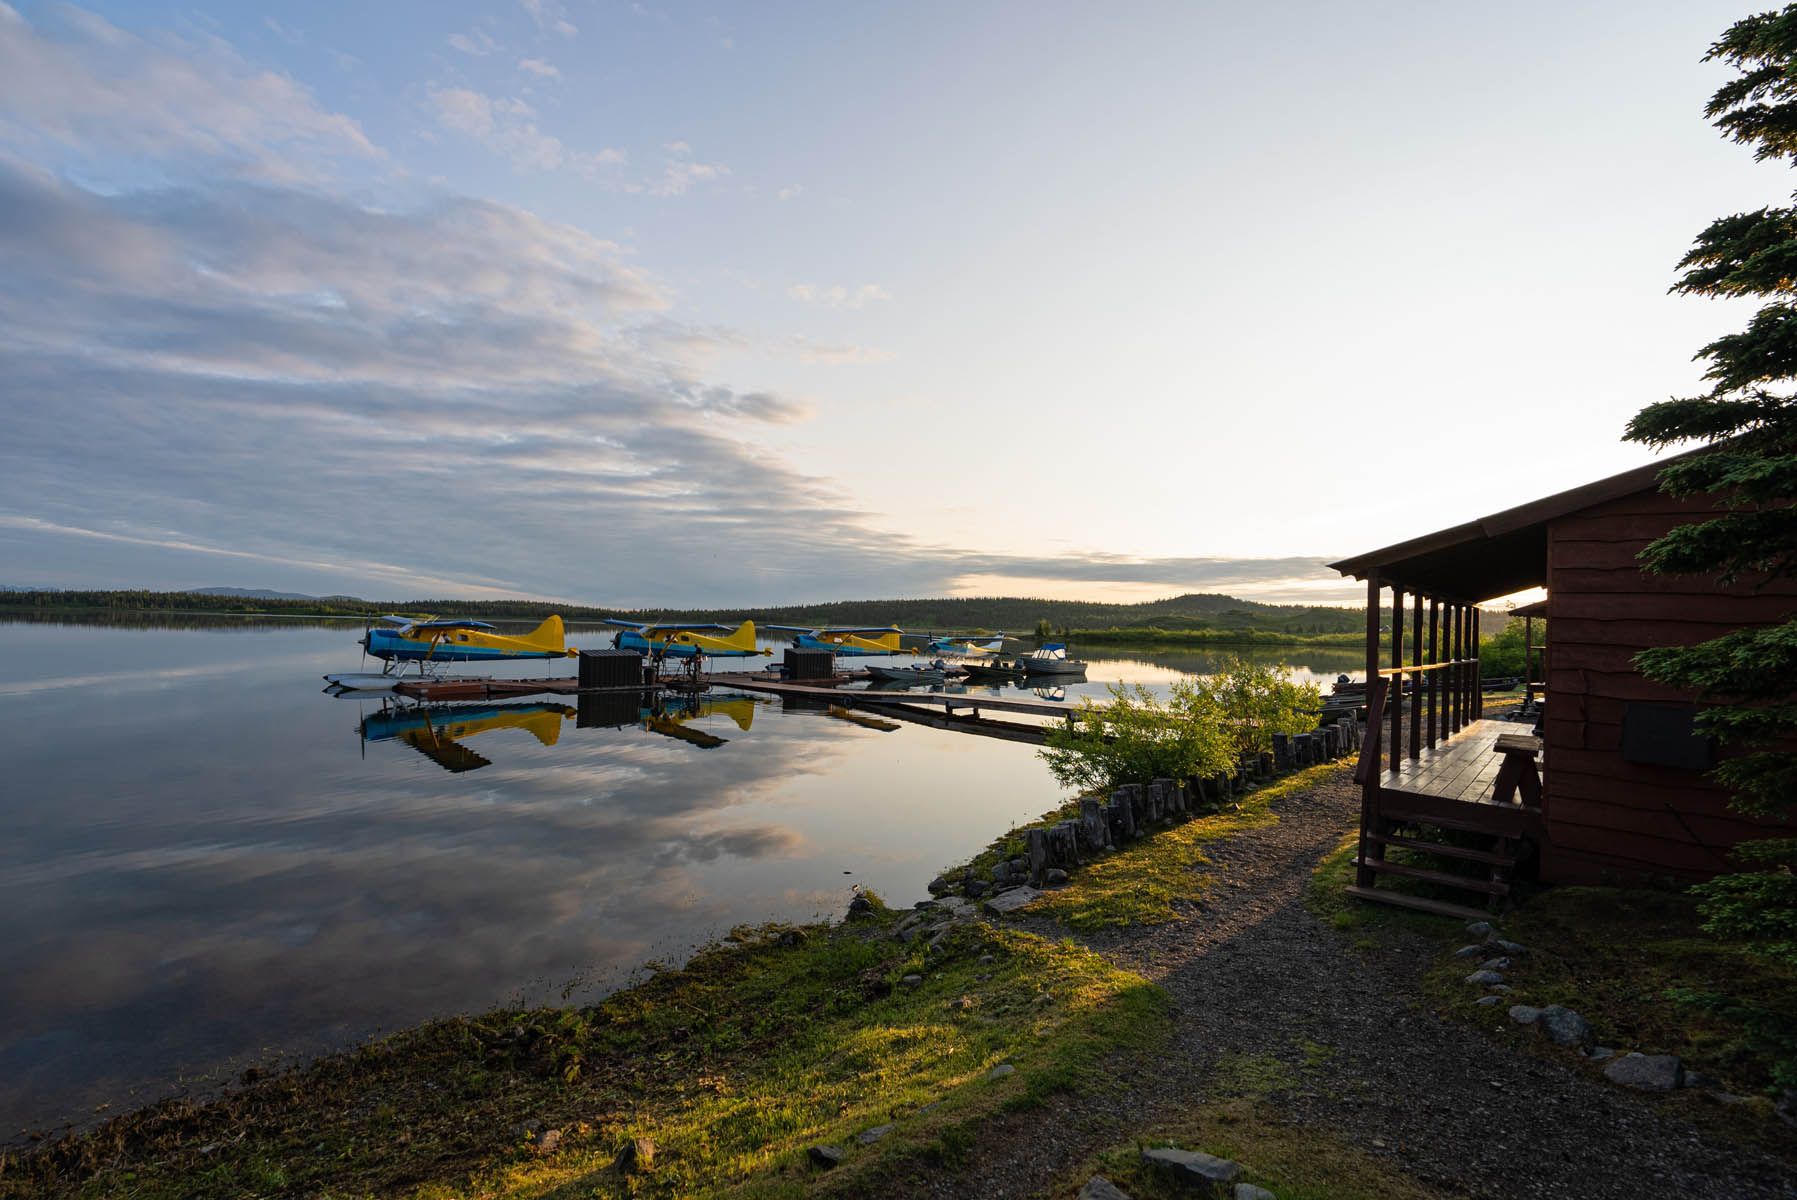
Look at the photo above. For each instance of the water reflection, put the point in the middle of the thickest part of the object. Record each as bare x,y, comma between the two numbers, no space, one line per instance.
205,862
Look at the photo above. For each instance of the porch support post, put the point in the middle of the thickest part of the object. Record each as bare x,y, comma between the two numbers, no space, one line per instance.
1416,681
1478,683
1528,660
1370,780
1453,680
1372,632
1434,657
1394,695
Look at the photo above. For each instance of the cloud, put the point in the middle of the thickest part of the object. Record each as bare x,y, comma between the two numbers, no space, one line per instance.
507,126
791,193
81,88
680,171
838,296
550,17
476,42
537,66
813,352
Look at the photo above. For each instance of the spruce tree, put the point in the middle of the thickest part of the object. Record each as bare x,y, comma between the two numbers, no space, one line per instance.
1747,426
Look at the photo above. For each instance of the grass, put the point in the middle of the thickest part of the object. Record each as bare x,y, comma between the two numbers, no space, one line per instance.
1241,1122
733,1065
1141,883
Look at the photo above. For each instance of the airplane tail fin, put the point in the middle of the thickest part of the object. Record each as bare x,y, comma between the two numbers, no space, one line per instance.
743,638
548,636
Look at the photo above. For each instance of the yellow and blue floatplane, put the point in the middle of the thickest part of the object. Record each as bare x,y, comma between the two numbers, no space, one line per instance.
425,642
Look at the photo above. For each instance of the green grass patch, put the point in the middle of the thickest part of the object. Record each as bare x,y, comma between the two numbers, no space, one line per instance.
1292,1163
1139,884
733,1065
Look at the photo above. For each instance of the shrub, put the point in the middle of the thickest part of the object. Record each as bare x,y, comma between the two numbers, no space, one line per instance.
1138,737
1501,655
1259,701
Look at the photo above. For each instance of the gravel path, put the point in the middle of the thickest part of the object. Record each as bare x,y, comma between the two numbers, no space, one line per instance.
1254,974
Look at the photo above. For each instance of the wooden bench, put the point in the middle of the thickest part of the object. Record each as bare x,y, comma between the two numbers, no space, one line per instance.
1518,770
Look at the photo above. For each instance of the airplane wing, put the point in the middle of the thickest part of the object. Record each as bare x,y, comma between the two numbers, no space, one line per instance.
666,626
794,628
858,629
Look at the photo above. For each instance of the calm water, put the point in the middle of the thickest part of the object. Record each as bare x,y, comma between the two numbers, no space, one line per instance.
205,862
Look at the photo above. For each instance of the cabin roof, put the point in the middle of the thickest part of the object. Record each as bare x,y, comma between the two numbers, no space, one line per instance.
1495,555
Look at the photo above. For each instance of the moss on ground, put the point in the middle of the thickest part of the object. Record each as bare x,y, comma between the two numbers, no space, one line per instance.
1141,883
733,1065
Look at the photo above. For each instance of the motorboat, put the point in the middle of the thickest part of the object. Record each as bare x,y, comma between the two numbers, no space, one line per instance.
934,672
1050,658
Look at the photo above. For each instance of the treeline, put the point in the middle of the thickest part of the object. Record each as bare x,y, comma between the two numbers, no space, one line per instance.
1178,615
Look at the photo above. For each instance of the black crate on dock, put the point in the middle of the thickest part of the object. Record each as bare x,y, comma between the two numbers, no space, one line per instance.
809,664
611,669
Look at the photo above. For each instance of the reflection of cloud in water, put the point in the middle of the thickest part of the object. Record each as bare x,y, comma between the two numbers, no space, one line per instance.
220,870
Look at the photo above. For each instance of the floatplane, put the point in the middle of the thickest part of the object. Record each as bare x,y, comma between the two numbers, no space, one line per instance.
429,642
847,641
686,639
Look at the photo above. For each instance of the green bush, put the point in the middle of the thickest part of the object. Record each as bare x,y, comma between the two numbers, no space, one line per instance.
1501,656
1138,737
1260,701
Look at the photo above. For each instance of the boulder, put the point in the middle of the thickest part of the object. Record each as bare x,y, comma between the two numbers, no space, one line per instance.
912,980
868,1137
939,885
1564,1027
1484,978
1647,1072
1470,952
1523,1014
1488,1000
1495,964
1203,1171
1100,1188
1054,877
1010,901
1247,1191
1478,928
638,1154
826,1156
1001,1070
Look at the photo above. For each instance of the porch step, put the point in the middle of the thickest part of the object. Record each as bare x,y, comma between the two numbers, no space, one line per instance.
1444,850
1465,883
1438,907
1393,810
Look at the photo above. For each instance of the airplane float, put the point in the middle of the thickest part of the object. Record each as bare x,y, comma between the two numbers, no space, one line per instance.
426,642
967,644
847,641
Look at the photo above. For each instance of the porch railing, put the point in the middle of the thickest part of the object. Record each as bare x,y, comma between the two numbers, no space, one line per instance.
1438,690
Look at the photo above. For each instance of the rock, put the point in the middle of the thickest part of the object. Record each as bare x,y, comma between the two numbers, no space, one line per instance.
1189,1166
1786,1109
1599,1053
1001,1070
939,885
1564,1027
868,1137
1726,1099
1054,877
1100,1188
790,937
1503,947
860,906
1483,978
976,887
1478,928
1694,1079
1486,1000
638,1154
912,980
1522,1014
826,1156
1495,964
1470,952
1012,900
547,1141
1501,989
986,959
1647,1072
1247,1191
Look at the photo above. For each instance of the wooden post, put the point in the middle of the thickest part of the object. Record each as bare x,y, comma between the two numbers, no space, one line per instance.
1451,685
1416,681
1528,660
1372,629
1434,657
1394,695
1478,683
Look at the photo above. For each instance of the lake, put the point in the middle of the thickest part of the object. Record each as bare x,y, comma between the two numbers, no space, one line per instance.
206,862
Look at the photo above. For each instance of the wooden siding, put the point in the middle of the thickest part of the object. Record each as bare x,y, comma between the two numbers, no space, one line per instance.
1607,819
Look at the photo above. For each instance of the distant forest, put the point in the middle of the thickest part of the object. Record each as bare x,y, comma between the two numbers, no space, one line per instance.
1177,615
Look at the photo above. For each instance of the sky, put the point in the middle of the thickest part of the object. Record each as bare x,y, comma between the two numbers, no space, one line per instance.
707,304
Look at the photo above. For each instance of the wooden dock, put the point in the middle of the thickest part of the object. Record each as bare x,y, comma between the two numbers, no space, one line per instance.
949,702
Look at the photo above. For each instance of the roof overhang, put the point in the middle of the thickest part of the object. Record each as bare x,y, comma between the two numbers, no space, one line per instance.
1495,555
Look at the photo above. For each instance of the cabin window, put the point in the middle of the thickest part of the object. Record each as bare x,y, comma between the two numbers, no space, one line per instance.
1665,735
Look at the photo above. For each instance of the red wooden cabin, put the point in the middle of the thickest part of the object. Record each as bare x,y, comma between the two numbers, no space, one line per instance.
1624,787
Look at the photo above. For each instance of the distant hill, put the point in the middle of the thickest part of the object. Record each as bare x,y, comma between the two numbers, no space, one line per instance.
251,593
